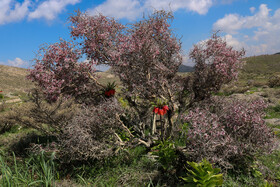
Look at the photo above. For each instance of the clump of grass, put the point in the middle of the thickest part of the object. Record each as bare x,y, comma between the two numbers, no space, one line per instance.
130,167
37,170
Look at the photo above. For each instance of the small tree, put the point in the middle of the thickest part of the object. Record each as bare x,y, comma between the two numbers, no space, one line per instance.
145,56
216,64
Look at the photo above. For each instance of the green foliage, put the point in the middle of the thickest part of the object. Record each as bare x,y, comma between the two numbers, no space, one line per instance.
165,150
182,134
123,135
255,171
159,102
267,184
273,112
124,103
203,174
111,85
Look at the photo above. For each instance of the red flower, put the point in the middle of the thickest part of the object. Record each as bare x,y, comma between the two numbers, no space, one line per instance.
110,92
161,112
1,91
165,107
107,93
155,110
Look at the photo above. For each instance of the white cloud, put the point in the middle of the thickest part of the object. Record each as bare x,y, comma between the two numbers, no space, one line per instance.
129,9
132,9
17,62
231,23
50,9
263,28
198,6
234,42
11,11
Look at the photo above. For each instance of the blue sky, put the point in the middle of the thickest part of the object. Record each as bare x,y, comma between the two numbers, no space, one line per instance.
252,24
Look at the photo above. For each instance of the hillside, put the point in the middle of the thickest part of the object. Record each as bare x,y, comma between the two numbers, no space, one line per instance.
13,80
183,68
263,64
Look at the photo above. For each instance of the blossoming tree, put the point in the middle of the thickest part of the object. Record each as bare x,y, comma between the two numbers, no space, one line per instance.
145,56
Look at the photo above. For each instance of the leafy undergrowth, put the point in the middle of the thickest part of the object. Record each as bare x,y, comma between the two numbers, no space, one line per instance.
130,167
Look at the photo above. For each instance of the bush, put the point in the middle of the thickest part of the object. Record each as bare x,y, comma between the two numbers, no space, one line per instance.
216,64
274,81
91,134
228,132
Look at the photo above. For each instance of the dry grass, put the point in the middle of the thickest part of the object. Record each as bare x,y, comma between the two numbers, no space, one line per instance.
13,80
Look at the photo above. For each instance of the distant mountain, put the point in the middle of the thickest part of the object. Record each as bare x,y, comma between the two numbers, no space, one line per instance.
277,53
184,68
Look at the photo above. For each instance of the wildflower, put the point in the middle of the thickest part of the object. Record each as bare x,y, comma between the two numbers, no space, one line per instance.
110,93
161,110
155,110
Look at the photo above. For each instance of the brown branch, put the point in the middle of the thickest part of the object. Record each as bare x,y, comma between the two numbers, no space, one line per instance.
90,76
123,125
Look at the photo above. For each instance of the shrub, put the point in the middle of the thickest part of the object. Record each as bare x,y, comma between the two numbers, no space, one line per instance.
216,64
91,134
274,81
228,132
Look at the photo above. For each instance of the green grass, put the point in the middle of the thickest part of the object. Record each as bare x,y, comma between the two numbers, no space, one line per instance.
270,164
273,112
130,167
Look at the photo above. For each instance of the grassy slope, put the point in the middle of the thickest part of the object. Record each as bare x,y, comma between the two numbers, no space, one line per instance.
13,80
264,64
